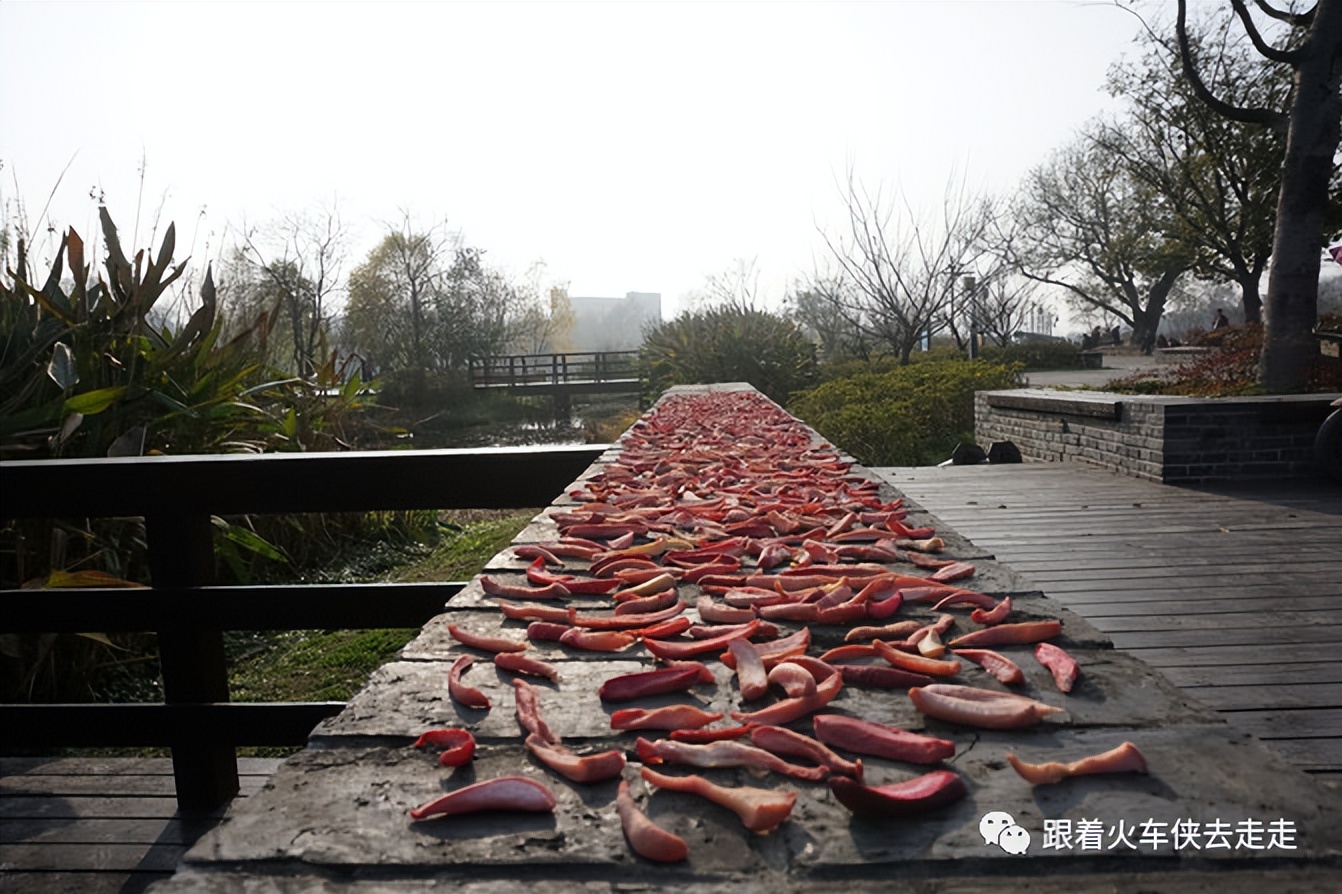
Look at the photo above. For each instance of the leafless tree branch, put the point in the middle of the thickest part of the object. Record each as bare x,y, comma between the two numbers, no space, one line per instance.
1265,117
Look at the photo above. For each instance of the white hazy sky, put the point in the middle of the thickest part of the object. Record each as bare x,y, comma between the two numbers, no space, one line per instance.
631,146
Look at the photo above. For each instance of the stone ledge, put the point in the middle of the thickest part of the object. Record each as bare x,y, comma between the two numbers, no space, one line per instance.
1168,438
1053,402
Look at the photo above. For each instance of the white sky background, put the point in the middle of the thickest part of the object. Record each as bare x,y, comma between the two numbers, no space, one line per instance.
631,146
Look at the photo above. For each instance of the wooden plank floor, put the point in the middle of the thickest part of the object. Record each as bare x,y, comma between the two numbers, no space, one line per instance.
95,825
1235,593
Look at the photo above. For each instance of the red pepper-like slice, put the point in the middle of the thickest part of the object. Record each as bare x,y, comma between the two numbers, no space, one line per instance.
1009,634
700,736
458,745
877,676
521,664
677,678
485,643
648,839
501,793
926,792
934,667
460,692
878,740
1063,666
1000,667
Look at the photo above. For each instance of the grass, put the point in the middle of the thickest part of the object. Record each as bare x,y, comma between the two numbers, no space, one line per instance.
327,665
331,665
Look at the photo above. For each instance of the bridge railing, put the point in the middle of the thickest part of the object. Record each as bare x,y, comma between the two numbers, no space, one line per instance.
177,497
520,370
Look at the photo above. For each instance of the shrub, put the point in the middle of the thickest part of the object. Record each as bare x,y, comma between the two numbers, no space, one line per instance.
729,344
1228,371
87,370
910,415
1036,356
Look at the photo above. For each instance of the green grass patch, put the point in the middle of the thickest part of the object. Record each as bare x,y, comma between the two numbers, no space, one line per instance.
331,665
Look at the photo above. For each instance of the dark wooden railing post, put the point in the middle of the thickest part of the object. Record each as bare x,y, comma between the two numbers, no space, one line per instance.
181,554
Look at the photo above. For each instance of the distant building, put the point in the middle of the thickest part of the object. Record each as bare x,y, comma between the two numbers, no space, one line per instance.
613,324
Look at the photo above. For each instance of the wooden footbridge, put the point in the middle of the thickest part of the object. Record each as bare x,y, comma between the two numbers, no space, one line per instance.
1234,598
566,374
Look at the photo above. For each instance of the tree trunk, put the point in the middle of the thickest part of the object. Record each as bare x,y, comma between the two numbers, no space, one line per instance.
1252,300
1311,141
1146,320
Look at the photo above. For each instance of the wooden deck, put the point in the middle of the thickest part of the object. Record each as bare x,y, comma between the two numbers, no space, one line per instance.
1235,594
95,825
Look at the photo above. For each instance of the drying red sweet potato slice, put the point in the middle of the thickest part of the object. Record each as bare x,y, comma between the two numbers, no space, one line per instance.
983,708
1062,666
1126,758
485,643
723,753
585,769
670,717
786,743
878,740
919,664
643,684
1002,668
460,692
458,745
920,795
649,840
760,809
1022,632
521,664
501,793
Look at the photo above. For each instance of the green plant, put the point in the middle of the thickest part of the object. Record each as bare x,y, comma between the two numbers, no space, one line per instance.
909,415
1036,356
87,369
729,344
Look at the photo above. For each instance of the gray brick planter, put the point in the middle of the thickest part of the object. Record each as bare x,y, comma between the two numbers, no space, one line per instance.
1170,439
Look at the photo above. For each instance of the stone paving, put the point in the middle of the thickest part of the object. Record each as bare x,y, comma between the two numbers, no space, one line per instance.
334,817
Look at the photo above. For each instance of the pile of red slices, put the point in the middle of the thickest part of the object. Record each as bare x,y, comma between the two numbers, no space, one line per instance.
725,531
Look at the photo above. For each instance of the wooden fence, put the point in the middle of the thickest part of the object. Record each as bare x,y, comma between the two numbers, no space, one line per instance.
177,497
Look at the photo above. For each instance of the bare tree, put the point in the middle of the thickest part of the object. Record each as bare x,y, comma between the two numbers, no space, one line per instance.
1312,122
303,271
1218,178
735,287
1004,303
1082,223
817,310
898,271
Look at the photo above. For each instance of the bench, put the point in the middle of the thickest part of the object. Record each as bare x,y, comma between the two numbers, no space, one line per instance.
1092,359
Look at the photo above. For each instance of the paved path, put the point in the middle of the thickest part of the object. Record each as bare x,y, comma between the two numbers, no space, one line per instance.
1116,366
1234,595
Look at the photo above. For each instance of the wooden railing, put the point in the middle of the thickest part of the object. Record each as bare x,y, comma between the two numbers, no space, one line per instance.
523,370
177,498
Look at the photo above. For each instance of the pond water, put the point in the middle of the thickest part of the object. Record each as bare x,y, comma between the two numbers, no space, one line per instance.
505,434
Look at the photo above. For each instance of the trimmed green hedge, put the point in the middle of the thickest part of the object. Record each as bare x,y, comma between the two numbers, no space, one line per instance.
909,416
1043,355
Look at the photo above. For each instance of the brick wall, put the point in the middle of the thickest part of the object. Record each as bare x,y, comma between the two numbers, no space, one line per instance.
1171,439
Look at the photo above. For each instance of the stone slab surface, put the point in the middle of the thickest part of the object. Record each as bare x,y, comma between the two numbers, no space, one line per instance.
298,880
339,807
407,697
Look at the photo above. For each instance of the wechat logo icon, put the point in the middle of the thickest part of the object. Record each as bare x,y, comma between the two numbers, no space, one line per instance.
999,828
